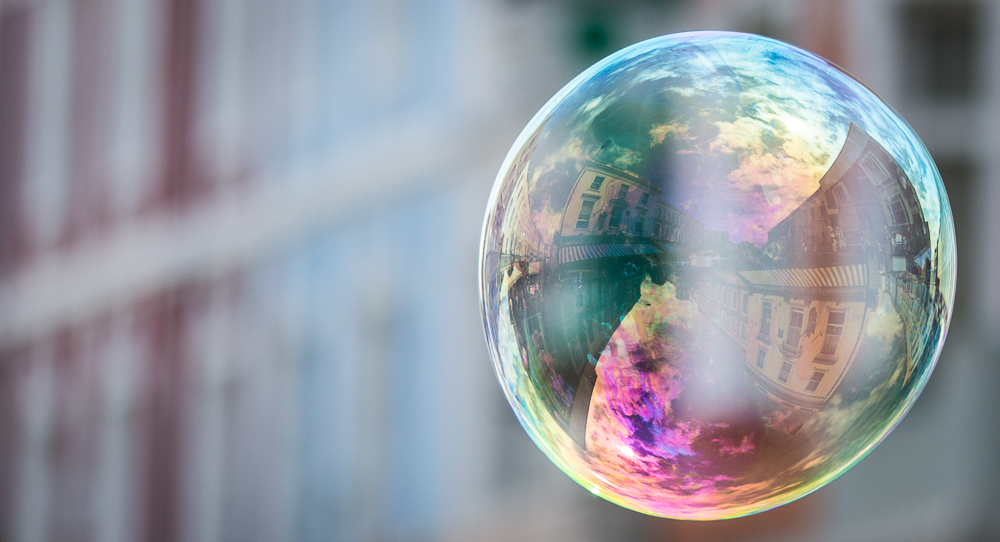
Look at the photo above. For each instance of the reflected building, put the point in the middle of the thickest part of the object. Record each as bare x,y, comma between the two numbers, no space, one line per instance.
615,231
798,329
800,325
869,213
918,299
607,201
520,244
865,211
522,240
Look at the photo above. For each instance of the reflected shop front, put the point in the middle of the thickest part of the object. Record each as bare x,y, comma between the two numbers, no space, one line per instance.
677,349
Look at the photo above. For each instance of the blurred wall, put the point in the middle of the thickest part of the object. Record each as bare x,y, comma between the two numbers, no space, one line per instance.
238,245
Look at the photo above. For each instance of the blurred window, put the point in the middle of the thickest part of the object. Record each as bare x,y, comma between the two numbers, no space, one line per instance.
596,185
645,198
940,41
15,38
622,190
640,220
959,176
761,357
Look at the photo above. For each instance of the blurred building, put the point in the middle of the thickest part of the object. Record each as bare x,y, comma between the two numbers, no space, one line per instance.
237,267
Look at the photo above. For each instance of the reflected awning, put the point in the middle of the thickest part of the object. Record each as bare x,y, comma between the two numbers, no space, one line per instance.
588,252
820,277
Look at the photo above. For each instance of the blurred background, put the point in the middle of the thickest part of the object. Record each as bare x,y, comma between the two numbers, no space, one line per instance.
238,244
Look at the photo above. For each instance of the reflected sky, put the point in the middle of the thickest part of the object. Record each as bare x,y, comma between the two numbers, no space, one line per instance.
716,271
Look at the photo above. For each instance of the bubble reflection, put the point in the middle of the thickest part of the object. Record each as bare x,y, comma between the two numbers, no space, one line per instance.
716,271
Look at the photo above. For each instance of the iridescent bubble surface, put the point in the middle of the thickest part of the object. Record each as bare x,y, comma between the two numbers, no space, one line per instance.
716,271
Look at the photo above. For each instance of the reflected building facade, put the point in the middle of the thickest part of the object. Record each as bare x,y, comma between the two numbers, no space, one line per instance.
608,201
523,241
798,329
800,324
865,211
869,214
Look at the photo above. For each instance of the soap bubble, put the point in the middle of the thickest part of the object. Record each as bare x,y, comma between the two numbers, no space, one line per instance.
716,271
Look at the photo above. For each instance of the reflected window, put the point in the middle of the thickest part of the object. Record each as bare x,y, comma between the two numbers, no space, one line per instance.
817,377
838,196
786,369
616,216
596,185
743,331
795,319
746,299
645,198
761,357
640,220
765,319
851,228
834,329
874,169
898,211
583,220
622,190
